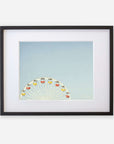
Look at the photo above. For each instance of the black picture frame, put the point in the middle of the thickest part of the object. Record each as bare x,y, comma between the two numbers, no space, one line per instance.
2,28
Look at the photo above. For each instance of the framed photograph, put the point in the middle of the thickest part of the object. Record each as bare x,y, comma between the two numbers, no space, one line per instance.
56,70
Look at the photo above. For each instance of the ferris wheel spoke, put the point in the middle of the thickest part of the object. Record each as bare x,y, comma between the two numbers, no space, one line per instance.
35,91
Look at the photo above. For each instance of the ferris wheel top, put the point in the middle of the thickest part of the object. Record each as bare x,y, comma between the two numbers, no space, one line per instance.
45,82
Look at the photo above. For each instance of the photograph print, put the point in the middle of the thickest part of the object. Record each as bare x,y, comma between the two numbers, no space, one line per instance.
56,70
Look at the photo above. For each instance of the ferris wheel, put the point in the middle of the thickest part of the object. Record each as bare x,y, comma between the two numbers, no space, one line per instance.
45,89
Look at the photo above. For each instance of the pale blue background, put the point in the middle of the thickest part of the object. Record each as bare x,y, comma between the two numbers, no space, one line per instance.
69,62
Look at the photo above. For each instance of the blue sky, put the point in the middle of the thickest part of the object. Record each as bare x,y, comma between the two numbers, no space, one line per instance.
69,62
